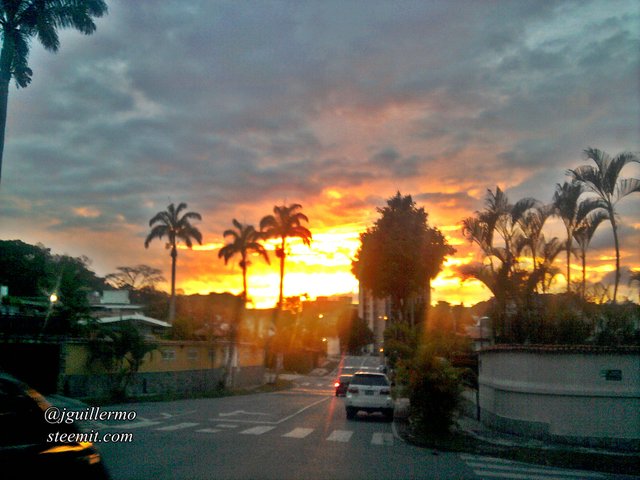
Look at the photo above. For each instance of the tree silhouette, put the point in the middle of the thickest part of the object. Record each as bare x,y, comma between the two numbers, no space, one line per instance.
400,255
20,20
244,240
604,181
286,222
176,228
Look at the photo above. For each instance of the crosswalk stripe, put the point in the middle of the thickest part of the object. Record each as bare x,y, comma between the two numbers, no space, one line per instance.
298,433
257,430
489,467
476,458
340,436
177,426
131,426
226,425
527,469
522,476
381,438
209,430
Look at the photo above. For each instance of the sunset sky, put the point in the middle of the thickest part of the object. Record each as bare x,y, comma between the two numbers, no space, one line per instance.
234,107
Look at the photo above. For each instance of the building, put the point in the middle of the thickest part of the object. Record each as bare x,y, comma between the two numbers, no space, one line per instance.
376,312
113,307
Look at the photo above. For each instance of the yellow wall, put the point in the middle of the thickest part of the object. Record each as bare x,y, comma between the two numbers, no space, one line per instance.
170,356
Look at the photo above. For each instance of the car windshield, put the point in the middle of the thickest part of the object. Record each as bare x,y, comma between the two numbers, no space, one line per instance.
369,380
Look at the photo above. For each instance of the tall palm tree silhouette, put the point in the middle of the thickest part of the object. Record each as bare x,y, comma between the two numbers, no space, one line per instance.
20,20
169,223
285,222
604,180
244,240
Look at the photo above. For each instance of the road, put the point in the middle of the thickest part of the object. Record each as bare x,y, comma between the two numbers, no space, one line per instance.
300,433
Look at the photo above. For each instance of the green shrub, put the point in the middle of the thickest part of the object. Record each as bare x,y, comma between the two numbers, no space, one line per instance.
435,393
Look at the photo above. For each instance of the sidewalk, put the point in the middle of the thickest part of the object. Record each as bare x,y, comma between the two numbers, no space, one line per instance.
471,436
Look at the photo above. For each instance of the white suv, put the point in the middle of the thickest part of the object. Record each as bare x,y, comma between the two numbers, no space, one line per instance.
369,392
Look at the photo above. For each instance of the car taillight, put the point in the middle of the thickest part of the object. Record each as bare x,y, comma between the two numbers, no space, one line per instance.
337,384
353,389
385,391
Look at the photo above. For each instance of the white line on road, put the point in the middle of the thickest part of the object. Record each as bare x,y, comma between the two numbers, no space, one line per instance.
267,422
340,436
226,425
381,438
532,469
129,426
209,430
259,430
523,476
298,433
177,426
475,458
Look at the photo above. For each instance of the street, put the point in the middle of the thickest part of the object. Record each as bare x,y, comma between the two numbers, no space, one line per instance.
301,433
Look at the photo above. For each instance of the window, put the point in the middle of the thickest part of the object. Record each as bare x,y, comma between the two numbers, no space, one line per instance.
168,355
369,380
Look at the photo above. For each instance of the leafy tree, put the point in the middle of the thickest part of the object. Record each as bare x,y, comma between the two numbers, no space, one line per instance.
435,394
135,278
176,227
286,222
604,181
24,268
20,21
400,255
121,351
354,333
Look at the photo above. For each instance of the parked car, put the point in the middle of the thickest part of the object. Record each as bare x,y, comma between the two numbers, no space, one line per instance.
27,442
369,392
342,383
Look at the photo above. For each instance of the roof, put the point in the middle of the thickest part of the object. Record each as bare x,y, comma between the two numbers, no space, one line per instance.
135,317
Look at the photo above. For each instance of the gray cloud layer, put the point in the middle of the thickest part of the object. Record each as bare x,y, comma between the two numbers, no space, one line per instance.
228,105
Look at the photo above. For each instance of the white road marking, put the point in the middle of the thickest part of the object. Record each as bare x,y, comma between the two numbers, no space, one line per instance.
226,425
298,433
209,430
380,438
259,430
177,426
340,436
488,467
130,426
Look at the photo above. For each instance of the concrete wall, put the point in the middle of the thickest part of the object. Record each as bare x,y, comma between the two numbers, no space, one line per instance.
579,395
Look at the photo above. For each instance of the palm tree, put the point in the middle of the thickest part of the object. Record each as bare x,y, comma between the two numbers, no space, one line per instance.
566,201
244,240
20,20
531,237
176,228
584,233
604,181
284,223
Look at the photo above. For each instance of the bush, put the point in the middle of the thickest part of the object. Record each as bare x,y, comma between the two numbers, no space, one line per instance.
435,394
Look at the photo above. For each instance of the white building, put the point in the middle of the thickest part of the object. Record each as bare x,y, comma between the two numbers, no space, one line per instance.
376,312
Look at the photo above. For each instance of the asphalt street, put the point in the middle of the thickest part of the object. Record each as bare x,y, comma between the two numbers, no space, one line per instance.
301,433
